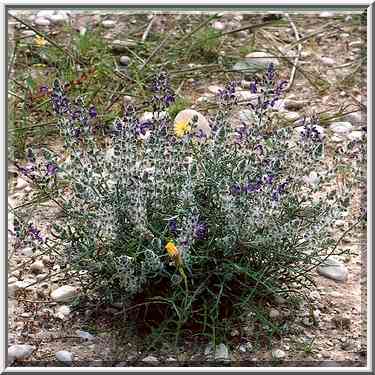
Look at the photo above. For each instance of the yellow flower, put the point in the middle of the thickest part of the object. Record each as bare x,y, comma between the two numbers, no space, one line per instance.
173,252
40,41
181,128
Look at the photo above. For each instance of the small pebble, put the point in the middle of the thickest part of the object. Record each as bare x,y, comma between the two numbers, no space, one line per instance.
124,60
65,293
109,24
42,21
64,356
278,354
19,351
37,267
150,358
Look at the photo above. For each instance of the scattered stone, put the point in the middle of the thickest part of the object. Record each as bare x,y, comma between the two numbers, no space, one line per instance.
27,252
19,351
340,223
327,61
280,300
221,352
218,25
291,116
214,89
124,60
262,58
60,18
171,359
39,21
37,267
28,33
122,45
65,293
187,115
274,314
341,127
21,184
85,336
63,312
109,24
312,179
333,269
64,356
45,14
278,354
150,358
337,139
355,135
326,14
246,95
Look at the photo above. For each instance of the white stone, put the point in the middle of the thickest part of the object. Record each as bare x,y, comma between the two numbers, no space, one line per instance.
327,61
37,267
19,351
188,115
85,336
64,356
337,139
312,179
218,25
333,269
39,21
28,33
221,352
291,116
355,135
262,58
65,293
341,127
214,89
109,24
280,300
63,312
21,184
246,95
45,14
27,252
124,60
274,314
278,354
150,358
326,14
59,18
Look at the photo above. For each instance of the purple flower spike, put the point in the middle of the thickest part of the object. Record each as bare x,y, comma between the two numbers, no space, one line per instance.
253,88
92,112
51,169
172,224
35,233
200,230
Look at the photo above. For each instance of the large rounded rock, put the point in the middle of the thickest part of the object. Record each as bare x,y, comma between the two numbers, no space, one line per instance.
19,351
334,270
341,127
186,117
65,293
64,356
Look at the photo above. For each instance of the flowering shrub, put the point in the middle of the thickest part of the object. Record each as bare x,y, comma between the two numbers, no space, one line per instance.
201,222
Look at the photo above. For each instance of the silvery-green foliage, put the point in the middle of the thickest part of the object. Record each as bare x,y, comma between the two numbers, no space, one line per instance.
236,201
